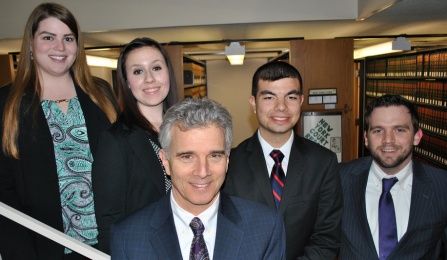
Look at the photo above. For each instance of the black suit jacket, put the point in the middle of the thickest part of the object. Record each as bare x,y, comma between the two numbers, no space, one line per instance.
245,230
427,225
126,176
311,202
31,185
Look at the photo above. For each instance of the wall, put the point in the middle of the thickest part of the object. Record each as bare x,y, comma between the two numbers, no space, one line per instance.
231,86
100,15
104,73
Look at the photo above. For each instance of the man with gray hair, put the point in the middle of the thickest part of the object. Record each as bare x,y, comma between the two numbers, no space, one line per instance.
195,220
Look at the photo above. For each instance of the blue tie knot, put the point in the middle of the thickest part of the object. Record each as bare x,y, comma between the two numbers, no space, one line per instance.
387,184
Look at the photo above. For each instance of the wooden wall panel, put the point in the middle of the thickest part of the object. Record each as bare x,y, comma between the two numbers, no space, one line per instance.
329,64
175,53
6,69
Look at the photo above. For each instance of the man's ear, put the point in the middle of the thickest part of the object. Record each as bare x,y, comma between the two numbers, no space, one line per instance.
417,137
252,101
164,161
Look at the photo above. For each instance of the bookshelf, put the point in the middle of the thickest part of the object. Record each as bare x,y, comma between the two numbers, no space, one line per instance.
190,73
8,65
421,77
194,77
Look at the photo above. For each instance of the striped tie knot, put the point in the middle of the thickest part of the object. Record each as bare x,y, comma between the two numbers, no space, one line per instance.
277,155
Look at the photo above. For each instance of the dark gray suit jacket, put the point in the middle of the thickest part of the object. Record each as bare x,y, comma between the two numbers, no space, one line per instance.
126,176
311,201
427,226
245,230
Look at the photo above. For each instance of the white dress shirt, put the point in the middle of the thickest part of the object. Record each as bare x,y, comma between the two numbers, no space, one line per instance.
267,149
182,218
401,193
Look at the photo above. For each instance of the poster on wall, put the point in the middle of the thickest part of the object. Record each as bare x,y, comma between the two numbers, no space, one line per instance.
324,128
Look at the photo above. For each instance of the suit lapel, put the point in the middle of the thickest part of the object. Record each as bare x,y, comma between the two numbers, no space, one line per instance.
165,241
139,142
421,199
421,196
229,237
259,169
358,186
296,167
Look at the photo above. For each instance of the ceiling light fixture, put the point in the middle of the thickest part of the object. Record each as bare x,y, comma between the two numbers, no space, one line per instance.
400,44
235,53
96,61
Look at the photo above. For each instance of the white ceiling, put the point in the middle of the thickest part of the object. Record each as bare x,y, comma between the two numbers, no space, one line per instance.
423,21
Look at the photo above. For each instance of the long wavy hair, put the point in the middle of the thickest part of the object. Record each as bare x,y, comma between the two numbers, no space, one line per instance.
130,113
27,80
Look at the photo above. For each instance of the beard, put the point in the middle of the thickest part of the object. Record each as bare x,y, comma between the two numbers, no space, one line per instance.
384,163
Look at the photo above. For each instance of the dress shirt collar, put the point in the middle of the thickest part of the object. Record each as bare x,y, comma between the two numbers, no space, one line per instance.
182,218
285,149
207,216
404,176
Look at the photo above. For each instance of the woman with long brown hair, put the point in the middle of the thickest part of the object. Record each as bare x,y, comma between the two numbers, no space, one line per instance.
52,115
127,172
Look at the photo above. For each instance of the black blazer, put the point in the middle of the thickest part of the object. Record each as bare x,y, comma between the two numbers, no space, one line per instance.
311,201
427,226
31,184
126,176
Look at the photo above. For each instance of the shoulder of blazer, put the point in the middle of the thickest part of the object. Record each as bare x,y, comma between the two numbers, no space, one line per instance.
363,162
425,171
121,129
355,168
250,144
228,208
307,146
118,128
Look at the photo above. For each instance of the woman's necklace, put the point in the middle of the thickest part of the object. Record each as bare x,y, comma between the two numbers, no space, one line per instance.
62,100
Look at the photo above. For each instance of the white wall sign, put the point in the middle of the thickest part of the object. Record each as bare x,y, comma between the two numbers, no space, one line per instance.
324,128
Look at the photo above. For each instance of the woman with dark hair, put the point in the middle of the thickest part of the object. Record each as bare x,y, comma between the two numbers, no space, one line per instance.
52,116
127,172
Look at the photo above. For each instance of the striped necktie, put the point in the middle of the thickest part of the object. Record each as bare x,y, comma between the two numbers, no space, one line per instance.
277,178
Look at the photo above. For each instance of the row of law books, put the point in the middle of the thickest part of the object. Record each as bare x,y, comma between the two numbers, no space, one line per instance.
435,64
405,66
426,160
433,148
429,92
428,64
433,120
376,68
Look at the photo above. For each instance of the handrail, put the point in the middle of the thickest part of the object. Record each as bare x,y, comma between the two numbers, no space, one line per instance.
51,233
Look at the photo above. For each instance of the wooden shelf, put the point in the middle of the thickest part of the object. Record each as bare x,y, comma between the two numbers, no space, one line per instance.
194,77
421,77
